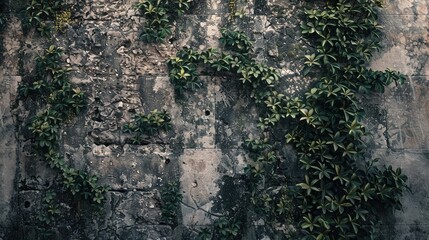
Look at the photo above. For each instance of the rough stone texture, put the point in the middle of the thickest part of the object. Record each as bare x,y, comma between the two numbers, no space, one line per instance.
122,76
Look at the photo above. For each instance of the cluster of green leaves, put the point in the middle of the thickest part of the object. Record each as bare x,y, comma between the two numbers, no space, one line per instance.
345,34
223,228
52,209
3,16
159,16
234,12
41,12
171,199
226,228
183,71
148,125
342,194
235,63
232,7
236,41
84,186
62,20
53,87
339,198
79,183
3,21
268,187
267,190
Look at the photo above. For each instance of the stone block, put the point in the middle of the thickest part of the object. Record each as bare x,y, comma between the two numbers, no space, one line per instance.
199,183
155,92
197,117
136,208
134,167
409,7
407,113
210,7
29,204
405,47
236,115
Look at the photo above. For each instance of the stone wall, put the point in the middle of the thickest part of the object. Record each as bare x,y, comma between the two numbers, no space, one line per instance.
122,76
403,133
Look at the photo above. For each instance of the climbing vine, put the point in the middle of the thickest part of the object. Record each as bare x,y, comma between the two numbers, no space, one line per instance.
51,86
170,202
160,15
342,192
259,79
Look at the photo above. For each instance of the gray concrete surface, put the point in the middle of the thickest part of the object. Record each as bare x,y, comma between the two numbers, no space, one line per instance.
122,75
406,109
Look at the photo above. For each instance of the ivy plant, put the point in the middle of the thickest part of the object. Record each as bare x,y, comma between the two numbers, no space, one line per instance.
339,198
147,125
159,15
341,191
260,79
170,201
63,100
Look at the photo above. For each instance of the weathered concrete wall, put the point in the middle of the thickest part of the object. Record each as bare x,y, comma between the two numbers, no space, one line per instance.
122,75
405,110
9,145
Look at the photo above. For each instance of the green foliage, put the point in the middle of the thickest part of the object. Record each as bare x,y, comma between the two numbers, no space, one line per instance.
148,124
226,228
159,15
236,40
344,35
52,86
259,77
41,12
266,183
171,199
45,128
183,71
233,11
84,186
232,4
341,193
51,209
268,189
63,101
3,21
340,199
204,234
